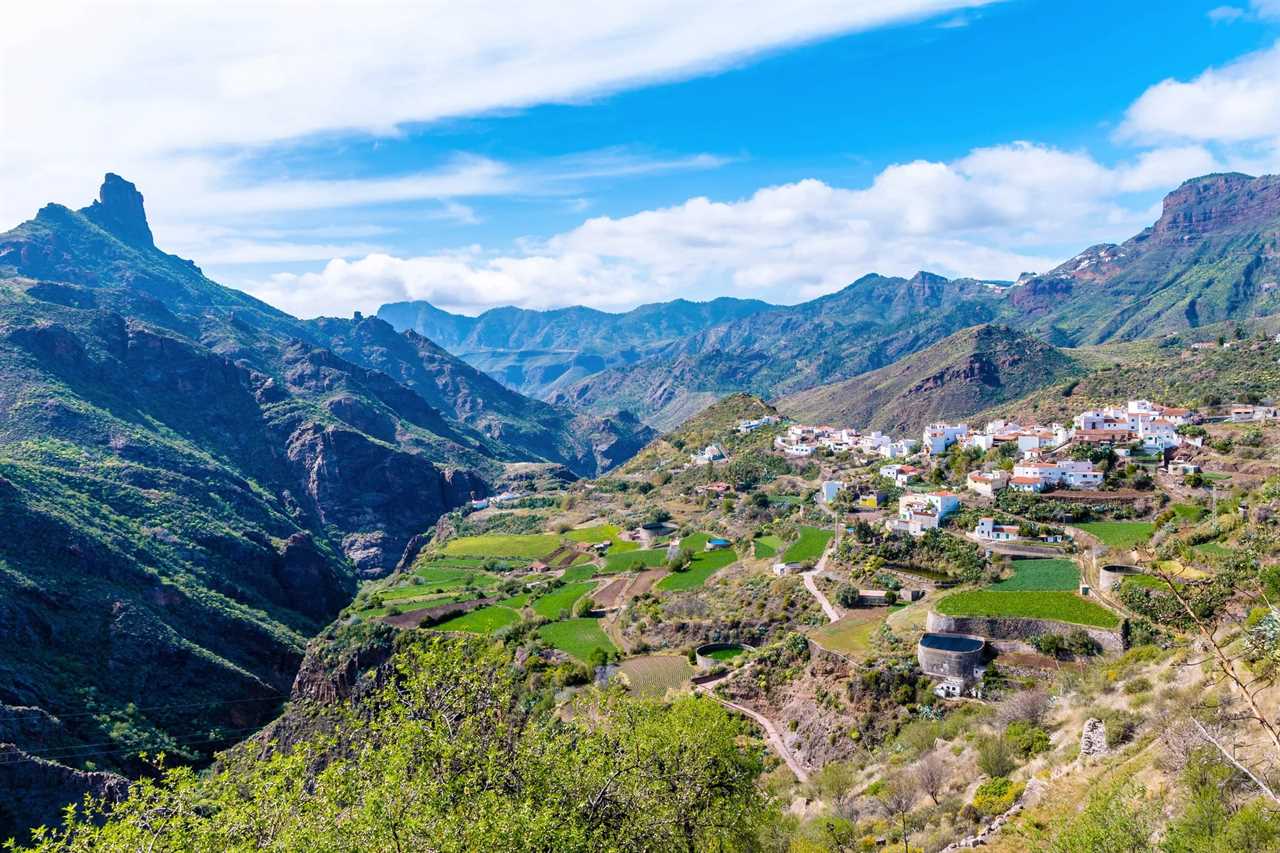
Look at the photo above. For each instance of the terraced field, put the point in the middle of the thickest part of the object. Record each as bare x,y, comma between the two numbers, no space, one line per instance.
1059,574
552,604
529,546
1119,534
704,565
1047,604
630,561
654,675
577,638
486,620
809,547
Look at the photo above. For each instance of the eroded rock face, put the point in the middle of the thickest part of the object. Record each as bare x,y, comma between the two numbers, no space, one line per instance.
36,791
381,495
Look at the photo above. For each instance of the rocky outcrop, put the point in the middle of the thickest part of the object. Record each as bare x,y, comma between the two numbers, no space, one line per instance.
36,791
381,496
119,209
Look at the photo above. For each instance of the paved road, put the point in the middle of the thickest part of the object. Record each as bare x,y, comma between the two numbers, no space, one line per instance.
810,584
772,734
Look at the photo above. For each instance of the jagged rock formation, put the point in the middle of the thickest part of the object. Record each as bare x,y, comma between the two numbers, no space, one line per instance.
191,481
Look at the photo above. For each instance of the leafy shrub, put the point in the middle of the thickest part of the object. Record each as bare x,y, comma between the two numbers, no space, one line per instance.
1141,684
996,796
996,757
1026,739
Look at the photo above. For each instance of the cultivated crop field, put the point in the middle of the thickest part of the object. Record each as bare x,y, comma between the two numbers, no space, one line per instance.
1119,534
654,675
625,561
1056,605
577,637
528,546
852,633
767,546
1059,574
809,547
558,600
486,620
704,565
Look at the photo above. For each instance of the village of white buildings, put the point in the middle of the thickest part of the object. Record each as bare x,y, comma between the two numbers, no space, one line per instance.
1041,456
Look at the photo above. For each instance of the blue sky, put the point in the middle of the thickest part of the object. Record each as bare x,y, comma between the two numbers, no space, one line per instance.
648,156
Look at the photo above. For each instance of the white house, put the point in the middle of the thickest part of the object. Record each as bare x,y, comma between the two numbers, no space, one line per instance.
1069,473
900,474
989,531
899,449
711,453
918,513
751,425
987,483
1243,414
938,437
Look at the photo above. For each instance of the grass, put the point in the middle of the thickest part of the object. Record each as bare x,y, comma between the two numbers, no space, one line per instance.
1055,605
603,533
1212,549
1189,512
529,546
812,542
704,565
695,541
515,602
485,620
599,533
558,600
1119,534
1215,476
1041,575
576,637
653,675
582,572
626,561
853,632
767,546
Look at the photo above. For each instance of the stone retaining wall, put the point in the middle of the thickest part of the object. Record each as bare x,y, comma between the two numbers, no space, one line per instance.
1017,629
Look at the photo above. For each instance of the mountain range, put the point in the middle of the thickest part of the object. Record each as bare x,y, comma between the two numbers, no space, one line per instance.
192,482
1211,257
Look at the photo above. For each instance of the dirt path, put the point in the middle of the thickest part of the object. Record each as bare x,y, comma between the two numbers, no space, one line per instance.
772,735
810,583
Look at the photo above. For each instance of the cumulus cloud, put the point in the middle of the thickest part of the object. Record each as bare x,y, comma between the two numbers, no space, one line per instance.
994,213
1237,103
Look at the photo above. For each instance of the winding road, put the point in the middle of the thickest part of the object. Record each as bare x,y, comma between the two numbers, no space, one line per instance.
771,731
810,583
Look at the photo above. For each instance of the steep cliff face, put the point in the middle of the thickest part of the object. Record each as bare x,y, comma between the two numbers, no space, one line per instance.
191,483
1213,255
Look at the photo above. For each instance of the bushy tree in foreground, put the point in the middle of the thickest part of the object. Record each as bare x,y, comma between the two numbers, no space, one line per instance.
454,756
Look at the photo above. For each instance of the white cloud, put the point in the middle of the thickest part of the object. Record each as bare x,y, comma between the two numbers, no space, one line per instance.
1239,102
994,213
1225,14
173,94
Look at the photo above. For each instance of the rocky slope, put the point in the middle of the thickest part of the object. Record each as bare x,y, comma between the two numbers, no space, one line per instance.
967,372
191,482
1213,256
538,352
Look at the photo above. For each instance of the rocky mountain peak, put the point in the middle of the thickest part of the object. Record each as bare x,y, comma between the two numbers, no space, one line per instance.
119,209
1218,202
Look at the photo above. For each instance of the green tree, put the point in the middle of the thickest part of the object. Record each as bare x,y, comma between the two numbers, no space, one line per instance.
452,757
1116,819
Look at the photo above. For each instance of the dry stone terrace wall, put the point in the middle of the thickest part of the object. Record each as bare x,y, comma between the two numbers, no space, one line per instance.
1018,629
